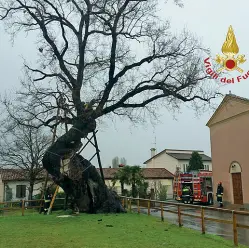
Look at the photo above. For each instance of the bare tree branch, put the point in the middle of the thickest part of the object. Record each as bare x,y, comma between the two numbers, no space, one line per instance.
100,58
22,148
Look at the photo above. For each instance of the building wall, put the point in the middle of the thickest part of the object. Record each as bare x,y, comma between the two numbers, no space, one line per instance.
229,143
168,182
208,165
168,162
231,108
163,161
12,184
152,182
117,186
184,163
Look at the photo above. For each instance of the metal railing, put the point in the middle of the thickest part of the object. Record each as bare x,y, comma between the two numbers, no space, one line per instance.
127,202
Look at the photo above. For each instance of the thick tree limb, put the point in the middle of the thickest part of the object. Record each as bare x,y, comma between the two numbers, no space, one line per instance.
99,57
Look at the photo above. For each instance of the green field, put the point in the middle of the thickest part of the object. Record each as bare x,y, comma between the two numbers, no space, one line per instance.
99,231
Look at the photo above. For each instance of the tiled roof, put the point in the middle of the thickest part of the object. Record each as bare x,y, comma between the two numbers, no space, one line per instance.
148,173
108,172
159,173
17,175
185,156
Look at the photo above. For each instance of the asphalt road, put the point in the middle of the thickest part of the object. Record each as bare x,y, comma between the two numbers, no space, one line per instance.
220,229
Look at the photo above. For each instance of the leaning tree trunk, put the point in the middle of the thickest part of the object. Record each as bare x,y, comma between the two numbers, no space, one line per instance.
82,183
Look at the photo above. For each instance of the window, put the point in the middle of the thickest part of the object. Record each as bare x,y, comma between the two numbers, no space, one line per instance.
20,191
8,193
206,167
184,167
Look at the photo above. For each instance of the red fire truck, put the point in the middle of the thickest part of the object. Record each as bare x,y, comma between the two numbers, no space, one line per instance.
200,183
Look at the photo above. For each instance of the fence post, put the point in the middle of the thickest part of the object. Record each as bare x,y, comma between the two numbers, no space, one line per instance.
126,202
123,202
23,204
162,218
130,204
179,216
235,230
41,205
148,207
202,221
152,197
138,207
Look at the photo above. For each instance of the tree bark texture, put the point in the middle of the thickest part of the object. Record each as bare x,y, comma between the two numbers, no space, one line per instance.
82,182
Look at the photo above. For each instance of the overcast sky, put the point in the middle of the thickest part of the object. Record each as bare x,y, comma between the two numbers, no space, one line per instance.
208,20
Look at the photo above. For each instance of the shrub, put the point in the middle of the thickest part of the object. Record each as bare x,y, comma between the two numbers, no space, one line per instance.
162,192
142,190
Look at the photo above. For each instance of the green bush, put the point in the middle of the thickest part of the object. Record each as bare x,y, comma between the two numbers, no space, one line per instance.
142,190
162,192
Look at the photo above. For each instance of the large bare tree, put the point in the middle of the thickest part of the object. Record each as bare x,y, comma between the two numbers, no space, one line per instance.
109,57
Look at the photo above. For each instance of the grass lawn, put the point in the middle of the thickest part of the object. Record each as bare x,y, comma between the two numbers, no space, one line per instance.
86,231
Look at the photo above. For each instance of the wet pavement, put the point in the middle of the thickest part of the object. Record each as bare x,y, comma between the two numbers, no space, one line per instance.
220,229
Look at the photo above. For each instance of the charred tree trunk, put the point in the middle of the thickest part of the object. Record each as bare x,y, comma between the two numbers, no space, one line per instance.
82,183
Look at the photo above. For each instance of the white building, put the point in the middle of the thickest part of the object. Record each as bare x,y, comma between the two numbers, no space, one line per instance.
170,159
14,185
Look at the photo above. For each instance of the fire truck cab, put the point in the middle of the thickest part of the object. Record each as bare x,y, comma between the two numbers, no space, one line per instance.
200,183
